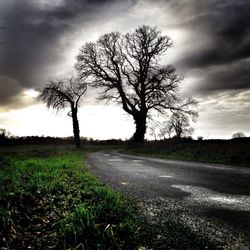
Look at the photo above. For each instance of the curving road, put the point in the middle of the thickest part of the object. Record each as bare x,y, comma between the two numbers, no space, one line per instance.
212,199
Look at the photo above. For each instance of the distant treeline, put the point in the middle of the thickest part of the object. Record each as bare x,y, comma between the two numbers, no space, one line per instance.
175,143
4,140
231,152
14,140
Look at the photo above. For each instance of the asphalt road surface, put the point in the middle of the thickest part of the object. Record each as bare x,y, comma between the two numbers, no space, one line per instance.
211,199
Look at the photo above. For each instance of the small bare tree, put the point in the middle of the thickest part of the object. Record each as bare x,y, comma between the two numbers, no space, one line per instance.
152,131
238,135
179,122
127,68
63,93
166,129
4,135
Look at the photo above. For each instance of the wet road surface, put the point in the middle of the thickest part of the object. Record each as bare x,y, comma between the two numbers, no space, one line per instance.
211,199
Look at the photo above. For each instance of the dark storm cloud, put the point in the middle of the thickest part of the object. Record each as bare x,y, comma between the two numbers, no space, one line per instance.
31,40
11,92
224,28
9,89
229,27
39,32
235,76
32,43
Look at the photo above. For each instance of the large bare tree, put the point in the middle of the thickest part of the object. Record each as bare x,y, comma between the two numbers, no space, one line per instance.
128,70
65,93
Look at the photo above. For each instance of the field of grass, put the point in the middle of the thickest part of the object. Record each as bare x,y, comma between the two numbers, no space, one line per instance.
231,152
48,200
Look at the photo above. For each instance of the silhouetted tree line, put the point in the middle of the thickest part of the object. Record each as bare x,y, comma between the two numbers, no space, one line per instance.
41,140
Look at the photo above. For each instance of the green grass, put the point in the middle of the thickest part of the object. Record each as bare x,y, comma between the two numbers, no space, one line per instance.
48,198
220,152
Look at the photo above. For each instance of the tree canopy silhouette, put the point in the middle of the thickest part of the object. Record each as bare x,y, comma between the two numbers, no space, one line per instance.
128,70
63,93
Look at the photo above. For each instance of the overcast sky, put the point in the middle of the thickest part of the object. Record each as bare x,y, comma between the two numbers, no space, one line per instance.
42,39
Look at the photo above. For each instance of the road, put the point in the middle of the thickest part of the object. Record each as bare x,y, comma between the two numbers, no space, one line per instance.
211,199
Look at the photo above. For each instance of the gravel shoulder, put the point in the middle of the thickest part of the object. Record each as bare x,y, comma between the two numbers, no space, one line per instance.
210,200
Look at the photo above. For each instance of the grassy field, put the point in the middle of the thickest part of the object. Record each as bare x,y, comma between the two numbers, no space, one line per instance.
231,152
48,200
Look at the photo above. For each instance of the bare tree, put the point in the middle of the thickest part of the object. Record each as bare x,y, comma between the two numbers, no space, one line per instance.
127,68
179,122
238,135
4,135
152,131
166,129
63,93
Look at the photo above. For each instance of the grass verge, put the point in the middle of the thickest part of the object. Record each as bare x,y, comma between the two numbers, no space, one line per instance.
220,152
50,201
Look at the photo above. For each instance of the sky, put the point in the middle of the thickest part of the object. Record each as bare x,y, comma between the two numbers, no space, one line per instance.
42,39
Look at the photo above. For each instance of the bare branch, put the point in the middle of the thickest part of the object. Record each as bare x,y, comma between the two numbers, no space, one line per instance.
62,93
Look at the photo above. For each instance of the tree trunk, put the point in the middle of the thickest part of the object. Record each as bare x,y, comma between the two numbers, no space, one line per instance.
178,133
76,130
140,130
